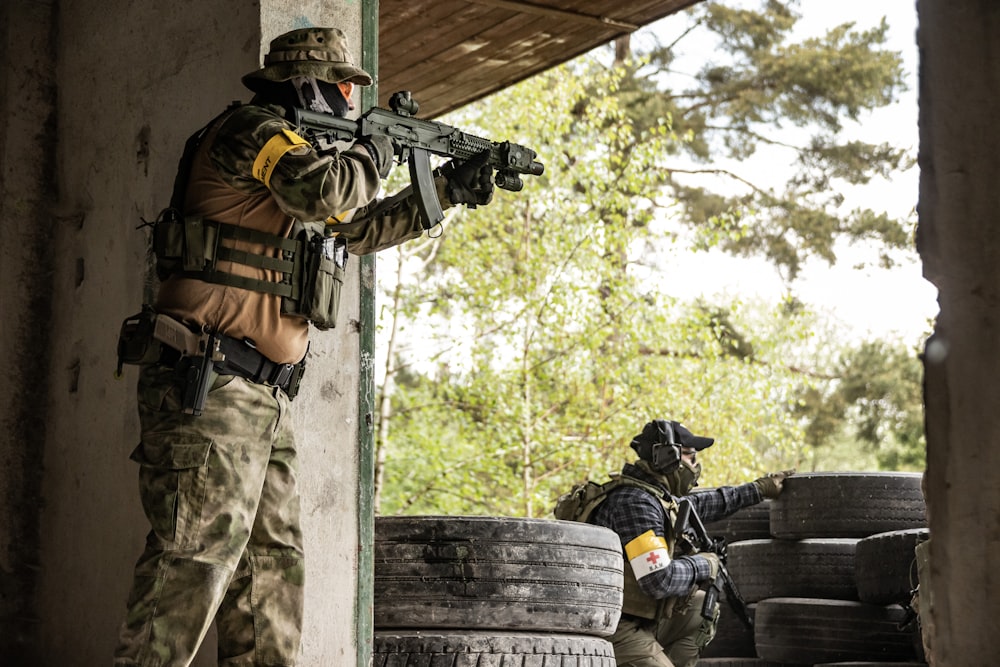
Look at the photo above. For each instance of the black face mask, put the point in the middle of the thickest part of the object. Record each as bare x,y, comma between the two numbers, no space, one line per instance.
320,96
324,97
334,98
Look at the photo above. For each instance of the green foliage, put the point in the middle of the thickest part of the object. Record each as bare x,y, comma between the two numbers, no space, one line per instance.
572,340
877,403
761,92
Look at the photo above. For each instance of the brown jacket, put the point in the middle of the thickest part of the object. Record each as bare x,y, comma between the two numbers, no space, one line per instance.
304,184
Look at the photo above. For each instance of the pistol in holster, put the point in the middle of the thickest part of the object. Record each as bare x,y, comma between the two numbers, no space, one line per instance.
149,338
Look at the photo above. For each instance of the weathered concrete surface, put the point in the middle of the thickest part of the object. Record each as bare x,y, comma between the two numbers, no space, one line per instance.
958,240
98,99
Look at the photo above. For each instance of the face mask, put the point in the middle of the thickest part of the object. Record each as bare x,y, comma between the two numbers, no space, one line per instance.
320,96
683,478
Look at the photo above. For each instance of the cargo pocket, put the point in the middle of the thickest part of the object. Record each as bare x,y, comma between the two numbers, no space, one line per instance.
173,476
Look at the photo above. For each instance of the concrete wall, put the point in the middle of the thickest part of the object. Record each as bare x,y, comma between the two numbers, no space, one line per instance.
98,98
959,242
27,159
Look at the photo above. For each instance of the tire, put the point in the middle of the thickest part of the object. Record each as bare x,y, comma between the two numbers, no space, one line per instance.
811,631
811,568
732,638
885,566
415,648
740,662
749,523
497,573
872,664
847,505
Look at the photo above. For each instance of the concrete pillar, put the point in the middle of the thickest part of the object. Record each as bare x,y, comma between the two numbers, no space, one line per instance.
959,210
98,99
27,262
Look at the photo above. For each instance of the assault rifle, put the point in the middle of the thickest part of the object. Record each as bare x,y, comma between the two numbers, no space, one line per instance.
689,525
413,141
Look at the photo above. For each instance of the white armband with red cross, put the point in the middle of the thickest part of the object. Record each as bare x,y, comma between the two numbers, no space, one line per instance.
647,554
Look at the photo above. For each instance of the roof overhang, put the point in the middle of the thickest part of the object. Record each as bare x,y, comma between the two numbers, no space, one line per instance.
449,53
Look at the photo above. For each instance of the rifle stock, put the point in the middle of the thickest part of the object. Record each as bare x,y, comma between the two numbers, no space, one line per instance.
687,517
414,140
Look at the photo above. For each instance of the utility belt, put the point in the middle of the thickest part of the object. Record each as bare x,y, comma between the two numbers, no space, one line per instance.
199,357
311,265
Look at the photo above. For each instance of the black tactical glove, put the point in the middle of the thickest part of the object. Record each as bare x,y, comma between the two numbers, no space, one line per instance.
380,148
470,182
770,485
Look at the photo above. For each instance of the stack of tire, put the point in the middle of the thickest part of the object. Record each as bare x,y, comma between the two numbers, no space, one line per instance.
826,570
462,591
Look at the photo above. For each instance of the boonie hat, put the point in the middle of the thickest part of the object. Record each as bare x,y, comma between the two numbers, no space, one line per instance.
317,52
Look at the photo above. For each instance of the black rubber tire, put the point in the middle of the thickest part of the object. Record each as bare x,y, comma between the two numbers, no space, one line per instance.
885,566
871,664
811,631
732,638
741,662
485,573
811,568
847,505
416,648
749,523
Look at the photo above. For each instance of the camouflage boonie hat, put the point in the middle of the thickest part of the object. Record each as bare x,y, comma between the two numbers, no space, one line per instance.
318,52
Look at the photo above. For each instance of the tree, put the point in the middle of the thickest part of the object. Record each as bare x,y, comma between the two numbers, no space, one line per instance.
874,408
554,385
570,342
760,91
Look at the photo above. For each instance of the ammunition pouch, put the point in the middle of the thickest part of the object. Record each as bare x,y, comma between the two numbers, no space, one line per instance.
320,263
311,265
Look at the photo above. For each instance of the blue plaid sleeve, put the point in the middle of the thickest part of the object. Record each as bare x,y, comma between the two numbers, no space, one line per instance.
631,512
718,503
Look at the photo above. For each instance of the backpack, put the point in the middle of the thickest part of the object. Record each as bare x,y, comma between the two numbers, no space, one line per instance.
581,501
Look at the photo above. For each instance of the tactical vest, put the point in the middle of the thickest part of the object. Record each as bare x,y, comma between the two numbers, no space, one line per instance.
311,266
584,499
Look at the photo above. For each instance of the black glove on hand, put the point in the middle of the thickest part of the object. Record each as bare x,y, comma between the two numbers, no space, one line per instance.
470,182
380,148
770,485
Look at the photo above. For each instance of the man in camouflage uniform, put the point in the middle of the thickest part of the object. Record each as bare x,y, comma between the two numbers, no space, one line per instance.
219,489
661,623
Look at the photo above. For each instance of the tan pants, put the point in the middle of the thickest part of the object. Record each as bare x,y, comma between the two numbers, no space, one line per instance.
667,642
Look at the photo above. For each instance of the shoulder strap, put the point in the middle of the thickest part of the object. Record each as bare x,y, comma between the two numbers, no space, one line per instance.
585,498
187,159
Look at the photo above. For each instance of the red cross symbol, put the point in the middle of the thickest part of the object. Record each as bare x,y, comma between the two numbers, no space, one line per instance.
652,558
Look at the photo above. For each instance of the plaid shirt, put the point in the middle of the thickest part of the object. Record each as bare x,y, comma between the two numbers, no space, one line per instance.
630,512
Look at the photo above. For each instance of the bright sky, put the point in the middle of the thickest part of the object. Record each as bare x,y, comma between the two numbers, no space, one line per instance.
891,303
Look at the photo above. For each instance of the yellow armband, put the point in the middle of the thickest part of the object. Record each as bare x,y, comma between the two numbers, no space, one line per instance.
274,150
647,554
340,217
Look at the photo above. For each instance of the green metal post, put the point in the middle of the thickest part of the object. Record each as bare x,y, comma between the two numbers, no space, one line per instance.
366,395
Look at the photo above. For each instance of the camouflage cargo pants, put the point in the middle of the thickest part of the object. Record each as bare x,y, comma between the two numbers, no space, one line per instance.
220,494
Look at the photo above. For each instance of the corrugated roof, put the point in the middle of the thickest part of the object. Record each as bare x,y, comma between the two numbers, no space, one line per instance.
452,52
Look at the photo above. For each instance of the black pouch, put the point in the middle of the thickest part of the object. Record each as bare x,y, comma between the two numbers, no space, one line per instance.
324,276
321,263
136,344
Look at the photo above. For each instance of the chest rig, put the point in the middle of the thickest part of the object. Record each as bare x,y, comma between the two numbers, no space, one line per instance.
309,265
584,499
